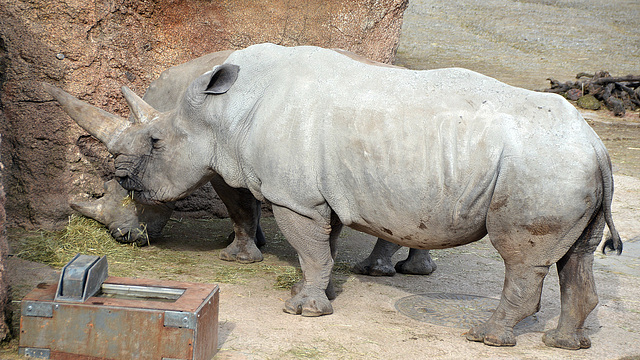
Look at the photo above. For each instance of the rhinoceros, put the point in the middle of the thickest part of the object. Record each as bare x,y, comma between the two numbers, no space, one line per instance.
131,222
426,159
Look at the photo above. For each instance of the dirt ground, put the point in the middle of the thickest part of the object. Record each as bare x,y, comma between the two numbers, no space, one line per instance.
522,44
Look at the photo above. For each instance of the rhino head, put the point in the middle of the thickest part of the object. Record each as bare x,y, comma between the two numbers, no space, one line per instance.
159,156
127,220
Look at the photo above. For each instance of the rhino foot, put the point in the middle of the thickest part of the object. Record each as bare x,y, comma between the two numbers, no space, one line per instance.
481,334
242,252
241,257
417,263
330,292
413,267
373,269
260,239
309,303
576,341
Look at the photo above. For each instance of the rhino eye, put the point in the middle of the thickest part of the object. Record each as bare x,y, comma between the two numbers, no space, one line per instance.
155,143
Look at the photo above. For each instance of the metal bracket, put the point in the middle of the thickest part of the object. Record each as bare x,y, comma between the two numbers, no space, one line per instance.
180,319
35,352
37,309
81,278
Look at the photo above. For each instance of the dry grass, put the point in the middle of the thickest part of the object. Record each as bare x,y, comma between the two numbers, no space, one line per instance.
81,235
87,236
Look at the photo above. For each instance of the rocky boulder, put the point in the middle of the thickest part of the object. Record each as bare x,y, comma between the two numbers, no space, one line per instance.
91,48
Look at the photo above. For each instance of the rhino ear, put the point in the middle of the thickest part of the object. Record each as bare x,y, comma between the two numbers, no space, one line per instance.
222,78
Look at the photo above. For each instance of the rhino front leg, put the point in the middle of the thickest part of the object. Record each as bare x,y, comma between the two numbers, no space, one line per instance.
260,239
244,211
314,240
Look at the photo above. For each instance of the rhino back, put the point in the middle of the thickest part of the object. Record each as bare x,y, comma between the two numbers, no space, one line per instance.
405,150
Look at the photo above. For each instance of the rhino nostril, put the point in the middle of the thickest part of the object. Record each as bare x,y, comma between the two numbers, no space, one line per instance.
123,181
121,173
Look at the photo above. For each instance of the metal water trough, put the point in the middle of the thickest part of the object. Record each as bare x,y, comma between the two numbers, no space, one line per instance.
89,315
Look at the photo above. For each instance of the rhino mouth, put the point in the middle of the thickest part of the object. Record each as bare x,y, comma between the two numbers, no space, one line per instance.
130,172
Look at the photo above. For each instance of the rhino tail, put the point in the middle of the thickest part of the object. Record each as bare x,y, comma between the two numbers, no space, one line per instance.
613,241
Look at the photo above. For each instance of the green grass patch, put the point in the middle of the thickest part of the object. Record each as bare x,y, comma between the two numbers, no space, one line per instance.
302,352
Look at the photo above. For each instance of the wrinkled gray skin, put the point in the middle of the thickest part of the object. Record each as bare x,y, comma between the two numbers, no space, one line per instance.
136,223
426,159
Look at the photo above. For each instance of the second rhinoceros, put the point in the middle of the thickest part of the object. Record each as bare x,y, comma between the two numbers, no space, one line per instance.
131,222
426,159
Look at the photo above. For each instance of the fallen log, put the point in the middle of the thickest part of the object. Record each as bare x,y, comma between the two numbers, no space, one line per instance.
618,94
607,80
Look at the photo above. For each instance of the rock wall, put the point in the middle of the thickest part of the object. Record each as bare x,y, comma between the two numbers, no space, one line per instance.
91,48
4,252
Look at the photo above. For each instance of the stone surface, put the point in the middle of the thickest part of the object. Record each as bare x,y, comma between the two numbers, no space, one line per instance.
92,48
4,252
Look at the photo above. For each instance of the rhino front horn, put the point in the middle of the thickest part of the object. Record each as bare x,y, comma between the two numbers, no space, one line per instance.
97,122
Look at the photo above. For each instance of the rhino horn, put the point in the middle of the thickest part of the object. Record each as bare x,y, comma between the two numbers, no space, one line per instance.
91,209
141,111
97,122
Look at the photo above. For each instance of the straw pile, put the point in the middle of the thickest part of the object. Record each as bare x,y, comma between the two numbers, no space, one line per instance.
81,235
87,236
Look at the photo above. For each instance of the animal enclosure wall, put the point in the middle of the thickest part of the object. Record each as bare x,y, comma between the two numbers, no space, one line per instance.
92,48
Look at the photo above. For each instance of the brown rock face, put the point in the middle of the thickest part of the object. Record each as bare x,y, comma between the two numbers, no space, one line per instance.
91,48
4,251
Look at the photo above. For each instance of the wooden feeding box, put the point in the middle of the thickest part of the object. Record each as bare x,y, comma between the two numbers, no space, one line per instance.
124,319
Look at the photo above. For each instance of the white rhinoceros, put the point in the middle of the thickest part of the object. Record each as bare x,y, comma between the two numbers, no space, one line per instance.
425,159
132,222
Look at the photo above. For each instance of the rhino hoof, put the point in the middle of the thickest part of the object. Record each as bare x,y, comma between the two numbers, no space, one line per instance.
233,253
413,268
241,258
330,292
554,338
249,258
364,268
475,334
506,339
307,304
312,309
480,334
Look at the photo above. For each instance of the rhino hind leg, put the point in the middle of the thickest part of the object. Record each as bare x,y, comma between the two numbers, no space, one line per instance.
578,295
520,298
314,240
379,261
418,262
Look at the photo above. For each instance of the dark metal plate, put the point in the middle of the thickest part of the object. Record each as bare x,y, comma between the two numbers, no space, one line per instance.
453,310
